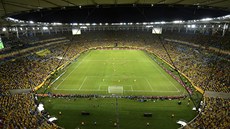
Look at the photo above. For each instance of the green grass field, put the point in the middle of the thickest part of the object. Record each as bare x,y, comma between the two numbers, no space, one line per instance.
120,72
124,72
130,113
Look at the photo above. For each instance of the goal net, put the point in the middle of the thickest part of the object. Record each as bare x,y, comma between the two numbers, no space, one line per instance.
115,89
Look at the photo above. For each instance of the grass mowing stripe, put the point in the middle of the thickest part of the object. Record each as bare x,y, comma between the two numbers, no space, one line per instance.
116,67
150,60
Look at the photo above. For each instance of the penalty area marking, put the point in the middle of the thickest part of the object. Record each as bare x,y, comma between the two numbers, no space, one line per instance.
82,82
149,84
67,76
70,72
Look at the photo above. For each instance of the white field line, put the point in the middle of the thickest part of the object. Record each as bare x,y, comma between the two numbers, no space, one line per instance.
163,74
112,60
131,88
114,77
67,76
107,90
148,91
81,90
82,83
117,60
149,84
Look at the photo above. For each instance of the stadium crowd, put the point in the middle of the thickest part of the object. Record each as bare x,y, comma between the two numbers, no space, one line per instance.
19,111
214,114
207,70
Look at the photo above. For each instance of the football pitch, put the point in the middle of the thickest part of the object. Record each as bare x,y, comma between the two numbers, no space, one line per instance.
123,72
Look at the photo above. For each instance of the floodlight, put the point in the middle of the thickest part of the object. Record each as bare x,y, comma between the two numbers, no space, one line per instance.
45,28
177,21
3,29
31,22
74,24
206,19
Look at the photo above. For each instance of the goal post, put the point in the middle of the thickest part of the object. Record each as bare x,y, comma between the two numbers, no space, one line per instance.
115,89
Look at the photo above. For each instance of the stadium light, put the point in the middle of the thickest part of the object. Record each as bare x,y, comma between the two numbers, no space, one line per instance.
31,22
74,24
3,29
177,21
94,24
57,23
193,26
206,19
106,24
45,28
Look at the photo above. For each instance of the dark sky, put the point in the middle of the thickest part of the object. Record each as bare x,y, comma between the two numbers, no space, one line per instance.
120,14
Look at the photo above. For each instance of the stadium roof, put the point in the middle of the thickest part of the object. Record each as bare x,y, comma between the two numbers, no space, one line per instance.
13,7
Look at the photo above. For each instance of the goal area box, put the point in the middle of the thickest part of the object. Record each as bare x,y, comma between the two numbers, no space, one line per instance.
115,89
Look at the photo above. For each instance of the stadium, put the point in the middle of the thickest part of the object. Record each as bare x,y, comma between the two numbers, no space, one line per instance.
114,64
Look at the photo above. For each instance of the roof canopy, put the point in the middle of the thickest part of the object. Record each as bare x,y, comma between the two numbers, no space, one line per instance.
12,7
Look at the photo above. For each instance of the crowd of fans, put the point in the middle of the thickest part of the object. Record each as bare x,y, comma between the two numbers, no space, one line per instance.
216,40
19,112
207,70
214,114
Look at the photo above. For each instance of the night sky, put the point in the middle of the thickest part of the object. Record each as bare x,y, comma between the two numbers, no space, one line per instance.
121,13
